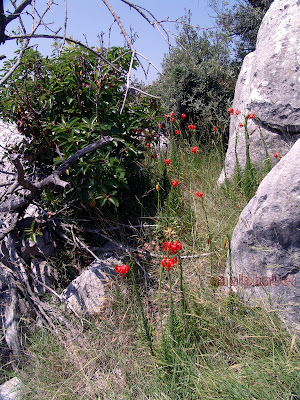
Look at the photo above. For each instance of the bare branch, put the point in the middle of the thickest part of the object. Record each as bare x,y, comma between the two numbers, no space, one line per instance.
141,91
19,16
138,9
117,19
21,181
54,178
65,28
59,37
18,11
128,81
16,64
49,4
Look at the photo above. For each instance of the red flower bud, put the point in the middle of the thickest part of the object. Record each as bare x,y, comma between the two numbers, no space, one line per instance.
169,263
174,182
122,269
173,247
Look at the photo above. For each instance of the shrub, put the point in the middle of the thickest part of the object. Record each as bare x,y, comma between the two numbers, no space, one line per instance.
65,102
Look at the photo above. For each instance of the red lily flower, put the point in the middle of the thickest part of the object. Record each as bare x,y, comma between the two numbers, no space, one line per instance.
122,269
169,263
173,247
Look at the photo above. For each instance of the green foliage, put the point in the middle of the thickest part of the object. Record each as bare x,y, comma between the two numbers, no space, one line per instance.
32,231
199,81
64,103
241,23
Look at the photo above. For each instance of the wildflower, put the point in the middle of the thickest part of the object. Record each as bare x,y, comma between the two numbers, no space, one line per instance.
147,144
169,263
154,156
173,247
214,128
138,131
194,149
251,116
177,132
199,194
241,124
159,125
192,127
167,161
276,155
172,114
169,232
239,206
174,182
237,112
181,158
230,111
122,269
165,115
183,115
172,119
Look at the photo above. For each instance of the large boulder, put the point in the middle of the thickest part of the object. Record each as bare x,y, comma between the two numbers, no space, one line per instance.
265,249
269,86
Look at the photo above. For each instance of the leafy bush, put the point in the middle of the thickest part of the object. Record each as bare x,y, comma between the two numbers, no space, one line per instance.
198,80
65,102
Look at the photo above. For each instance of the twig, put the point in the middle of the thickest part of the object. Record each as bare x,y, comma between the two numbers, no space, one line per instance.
17,63
128,81
65,28
117,19
23,279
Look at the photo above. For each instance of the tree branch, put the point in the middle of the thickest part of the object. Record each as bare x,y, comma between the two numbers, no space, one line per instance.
53,179
18,11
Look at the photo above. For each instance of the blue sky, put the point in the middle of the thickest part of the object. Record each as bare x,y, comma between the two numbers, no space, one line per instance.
86,22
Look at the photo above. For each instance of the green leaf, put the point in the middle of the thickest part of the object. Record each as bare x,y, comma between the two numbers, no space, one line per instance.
114,201
102,201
